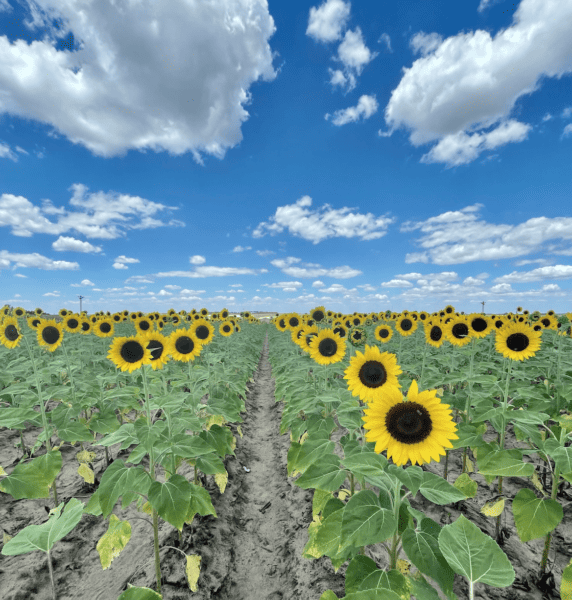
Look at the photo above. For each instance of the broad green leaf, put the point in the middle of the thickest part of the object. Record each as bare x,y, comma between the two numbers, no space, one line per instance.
119,480
474,555
505,463
535,517
171,499
365,522
43,537
32,479
324,476
422,549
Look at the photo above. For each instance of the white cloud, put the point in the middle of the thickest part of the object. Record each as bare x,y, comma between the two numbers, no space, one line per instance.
472,81
197,260
456,237
316,227
35,260
315,270
100,215
166,75
70,244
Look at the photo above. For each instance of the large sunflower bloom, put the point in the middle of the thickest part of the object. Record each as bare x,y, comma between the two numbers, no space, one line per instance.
129,353
50,334
417,429
517,341
10,335
327,347
371,373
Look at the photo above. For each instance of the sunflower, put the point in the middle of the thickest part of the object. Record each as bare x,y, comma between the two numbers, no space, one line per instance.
129,353
10,336
71,323
457,331
417,429
143,325
226,328
308,332
406,325
434,334
517,341
327,348
103,328
293,321
19,312
157,343
33,322
358,336
85,326
479,325
371,373
183,345
318,314
203,331
383,333
282,322
50,334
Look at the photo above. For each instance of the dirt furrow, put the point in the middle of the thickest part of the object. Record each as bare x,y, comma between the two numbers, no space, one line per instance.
255,546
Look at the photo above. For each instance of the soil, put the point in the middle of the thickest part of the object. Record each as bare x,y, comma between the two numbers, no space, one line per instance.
252,551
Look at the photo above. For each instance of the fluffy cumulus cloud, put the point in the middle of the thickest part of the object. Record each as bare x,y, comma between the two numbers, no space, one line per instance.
316,225
167,75
97,215
472,81
456,237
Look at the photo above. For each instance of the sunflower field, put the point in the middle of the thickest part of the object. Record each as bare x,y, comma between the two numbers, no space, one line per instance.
371,403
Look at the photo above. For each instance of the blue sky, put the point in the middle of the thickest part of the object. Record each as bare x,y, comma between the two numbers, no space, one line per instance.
363,156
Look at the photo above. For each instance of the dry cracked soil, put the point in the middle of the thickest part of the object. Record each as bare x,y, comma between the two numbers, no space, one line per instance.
253,550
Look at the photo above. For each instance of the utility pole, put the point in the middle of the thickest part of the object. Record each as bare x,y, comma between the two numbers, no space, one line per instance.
80,297
483,307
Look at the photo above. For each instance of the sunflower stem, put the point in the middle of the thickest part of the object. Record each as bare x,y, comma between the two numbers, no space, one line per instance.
152,471
44,417
555,482
502,435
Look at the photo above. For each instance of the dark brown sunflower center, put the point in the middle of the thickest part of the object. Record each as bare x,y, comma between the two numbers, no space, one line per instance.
327,347
460,330
156,349
479,324
11,333
202,332
372,374
517,342
184,344
408,423
50,334
132,351
436,334
105,327
406,324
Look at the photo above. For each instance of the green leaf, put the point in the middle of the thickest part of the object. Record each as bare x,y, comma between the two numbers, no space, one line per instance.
535,517
171,499
33,478
505,463
364,522
119,480
475,555
43,537
422,549
439,491
326,476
